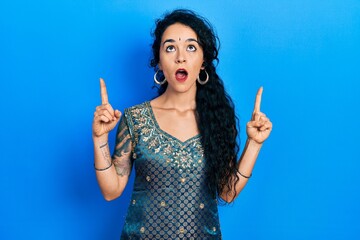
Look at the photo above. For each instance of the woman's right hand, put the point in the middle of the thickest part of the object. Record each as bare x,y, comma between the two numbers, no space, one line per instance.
105,118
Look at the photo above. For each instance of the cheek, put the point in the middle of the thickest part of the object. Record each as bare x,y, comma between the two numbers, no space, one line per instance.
199,63
162,60
200,59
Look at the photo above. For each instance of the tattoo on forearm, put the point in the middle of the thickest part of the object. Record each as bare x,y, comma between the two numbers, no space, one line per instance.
104,145
105,152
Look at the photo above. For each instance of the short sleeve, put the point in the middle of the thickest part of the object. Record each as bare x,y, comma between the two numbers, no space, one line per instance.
123,148
130,123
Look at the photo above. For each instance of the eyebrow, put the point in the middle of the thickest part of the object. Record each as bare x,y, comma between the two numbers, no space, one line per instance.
187,40
192,40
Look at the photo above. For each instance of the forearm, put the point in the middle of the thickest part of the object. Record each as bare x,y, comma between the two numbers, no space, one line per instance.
246,163
244,169
106,174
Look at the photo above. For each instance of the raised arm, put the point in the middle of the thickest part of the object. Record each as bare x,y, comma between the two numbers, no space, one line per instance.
112,174
258,130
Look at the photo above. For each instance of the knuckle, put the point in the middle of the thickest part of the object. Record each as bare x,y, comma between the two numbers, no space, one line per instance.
109,107
103,111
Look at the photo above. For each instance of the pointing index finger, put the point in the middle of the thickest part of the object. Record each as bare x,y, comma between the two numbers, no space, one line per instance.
258,100
103,92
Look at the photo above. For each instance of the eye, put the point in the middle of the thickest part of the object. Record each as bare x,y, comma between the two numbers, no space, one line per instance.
170,48
191,48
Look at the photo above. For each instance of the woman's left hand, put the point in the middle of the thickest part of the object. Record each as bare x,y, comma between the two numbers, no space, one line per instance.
259,127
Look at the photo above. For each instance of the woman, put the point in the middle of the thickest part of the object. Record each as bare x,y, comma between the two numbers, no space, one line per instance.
183,142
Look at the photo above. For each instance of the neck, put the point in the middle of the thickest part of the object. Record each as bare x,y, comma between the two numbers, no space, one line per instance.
180,101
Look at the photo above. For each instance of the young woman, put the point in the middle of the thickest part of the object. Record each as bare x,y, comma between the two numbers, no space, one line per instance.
183,143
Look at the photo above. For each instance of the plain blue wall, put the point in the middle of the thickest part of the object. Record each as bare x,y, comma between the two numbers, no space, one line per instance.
305,53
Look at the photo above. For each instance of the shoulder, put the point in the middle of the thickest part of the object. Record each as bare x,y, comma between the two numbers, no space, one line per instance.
137,118
138,114
136,110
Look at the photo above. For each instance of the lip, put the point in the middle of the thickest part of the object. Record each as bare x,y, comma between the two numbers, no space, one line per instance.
181,75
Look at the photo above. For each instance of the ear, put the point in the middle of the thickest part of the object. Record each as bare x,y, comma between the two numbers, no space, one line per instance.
203,66
159,66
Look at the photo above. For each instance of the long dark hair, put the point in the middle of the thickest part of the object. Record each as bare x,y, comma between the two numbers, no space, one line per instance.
215,111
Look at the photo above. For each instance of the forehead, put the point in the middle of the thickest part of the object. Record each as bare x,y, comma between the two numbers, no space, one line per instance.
178,31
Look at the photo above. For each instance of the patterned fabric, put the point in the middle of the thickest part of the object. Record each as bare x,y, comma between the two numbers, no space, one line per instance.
171,199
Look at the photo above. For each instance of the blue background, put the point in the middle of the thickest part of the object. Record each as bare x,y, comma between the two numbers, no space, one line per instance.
305,53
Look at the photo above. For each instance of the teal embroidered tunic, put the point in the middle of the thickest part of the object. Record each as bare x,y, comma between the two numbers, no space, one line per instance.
171,199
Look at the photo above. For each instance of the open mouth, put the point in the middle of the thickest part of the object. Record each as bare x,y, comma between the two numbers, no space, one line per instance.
181,75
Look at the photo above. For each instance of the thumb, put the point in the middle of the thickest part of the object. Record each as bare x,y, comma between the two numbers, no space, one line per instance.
253,124
117,114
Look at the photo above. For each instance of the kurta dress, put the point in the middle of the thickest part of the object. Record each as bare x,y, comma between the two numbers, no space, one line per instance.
171,198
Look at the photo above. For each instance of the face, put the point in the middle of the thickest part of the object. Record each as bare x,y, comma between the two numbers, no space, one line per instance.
181,57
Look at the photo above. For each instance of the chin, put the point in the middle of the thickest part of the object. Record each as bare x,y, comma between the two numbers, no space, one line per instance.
184,87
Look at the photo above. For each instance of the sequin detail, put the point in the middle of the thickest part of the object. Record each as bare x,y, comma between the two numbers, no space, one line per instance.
170,188
180,154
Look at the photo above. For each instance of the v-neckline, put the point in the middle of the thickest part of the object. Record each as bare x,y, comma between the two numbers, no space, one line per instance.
166,133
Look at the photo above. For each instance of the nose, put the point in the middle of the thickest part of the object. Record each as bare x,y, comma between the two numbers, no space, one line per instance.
180,57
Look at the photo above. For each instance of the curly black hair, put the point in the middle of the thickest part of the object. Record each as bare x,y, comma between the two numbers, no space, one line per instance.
215,111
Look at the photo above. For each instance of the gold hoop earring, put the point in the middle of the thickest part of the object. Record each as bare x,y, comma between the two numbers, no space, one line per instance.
205,81
157,81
